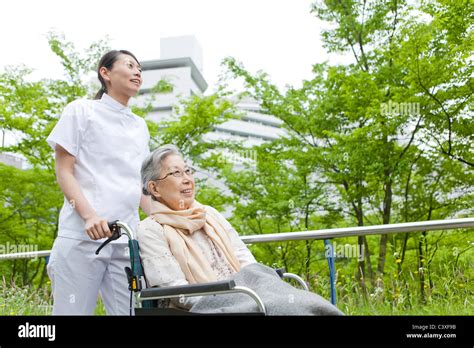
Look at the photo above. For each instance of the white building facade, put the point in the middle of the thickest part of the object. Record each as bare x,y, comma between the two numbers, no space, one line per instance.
181,65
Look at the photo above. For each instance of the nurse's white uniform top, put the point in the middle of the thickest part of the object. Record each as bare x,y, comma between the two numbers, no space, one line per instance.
109,143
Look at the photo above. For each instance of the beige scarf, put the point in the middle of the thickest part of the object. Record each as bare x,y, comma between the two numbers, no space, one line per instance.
178,227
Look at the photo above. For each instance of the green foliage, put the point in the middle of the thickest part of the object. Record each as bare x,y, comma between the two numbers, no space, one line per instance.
386,139
30,202
77,67
163,86
197,116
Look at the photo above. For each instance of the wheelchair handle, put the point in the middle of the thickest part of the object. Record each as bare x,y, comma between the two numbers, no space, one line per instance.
118,228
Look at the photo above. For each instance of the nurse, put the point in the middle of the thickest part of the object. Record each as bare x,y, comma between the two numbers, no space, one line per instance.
99,147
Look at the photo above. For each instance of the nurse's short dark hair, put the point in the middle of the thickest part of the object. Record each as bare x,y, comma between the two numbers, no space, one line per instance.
152,165
108,61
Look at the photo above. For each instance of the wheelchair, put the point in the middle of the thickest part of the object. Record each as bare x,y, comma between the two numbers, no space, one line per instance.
155,300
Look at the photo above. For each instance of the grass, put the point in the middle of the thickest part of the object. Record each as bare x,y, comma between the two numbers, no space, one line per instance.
16,300
449,290
24,301
433,306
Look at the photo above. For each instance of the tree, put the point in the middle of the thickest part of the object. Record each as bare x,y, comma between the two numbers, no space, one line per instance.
438,63
364,125
29,202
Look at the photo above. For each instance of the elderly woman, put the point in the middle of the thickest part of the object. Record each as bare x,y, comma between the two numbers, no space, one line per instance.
185,242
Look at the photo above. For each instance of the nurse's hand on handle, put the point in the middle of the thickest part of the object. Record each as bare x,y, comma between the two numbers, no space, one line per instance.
97,228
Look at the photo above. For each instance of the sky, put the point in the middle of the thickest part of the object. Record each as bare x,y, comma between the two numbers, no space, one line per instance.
280,37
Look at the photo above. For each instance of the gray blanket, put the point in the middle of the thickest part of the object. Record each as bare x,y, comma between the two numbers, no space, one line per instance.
279,297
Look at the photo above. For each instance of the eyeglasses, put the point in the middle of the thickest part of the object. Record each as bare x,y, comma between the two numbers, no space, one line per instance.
179,173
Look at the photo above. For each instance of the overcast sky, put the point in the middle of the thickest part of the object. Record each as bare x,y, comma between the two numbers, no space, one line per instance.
280,37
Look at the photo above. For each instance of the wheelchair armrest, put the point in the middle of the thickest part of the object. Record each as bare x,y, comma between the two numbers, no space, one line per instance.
219,286
282,273
214,288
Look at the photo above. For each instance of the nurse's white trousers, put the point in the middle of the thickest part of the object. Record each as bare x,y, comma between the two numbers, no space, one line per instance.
78,275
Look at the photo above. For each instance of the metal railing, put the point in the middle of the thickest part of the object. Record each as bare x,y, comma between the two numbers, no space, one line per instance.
25,255
362,231
432,225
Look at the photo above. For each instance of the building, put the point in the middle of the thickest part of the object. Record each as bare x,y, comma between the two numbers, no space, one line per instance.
13,160
181,65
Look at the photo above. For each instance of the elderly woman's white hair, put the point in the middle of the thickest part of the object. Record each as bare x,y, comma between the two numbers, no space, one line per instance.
151,166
